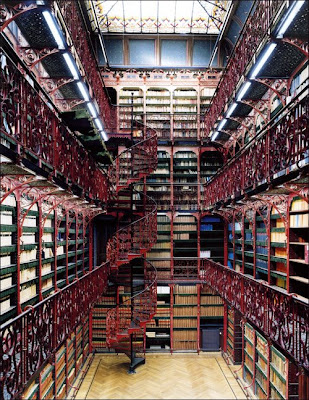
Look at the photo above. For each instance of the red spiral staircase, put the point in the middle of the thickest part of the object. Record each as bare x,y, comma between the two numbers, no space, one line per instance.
125,324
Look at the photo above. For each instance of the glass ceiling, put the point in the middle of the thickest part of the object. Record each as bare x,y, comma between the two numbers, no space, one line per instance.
162,16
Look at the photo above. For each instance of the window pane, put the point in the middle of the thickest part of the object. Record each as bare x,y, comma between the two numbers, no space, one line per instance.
142,52
174,53
202,50
114,50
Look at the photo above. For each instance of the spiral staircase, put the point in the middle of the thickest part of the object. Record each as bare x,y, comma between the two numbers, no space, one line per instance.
126,250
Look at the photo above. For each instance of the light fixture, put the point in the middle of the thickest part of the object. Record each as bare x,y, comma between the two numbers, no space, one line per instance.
221,125
261,63
53,28
92,110
289,18
98,124
83,91
231,110
71,66
104,136
243,91
214,136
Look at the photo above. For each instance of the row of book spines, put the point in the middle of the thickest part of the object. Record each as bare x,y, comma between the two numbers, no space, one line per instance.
185,335
185,345
211,311
299,221
185,289
185,311
160,324
185,323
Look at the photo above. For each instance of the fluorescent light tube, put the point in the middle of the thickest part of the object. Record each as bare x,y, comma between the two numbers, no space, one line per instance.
262,61
83,91
98,124
104,136
289,18
53,28
71,66
243,91
231,110
221,125
92,110
214,136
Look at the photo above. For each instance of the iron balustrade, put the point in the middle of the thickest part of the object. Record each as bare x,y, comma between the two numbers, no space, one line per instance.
71,15
254,31
281,147
30,127
30,339
281,317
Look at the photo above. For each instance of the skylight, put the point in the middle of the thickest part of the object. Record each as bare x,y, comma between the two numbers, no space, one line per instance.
162,16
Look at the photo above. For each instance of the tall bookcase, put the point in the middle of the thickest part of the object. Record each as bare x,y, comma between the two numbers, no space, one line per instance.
185,318
234,335
158,110
185,236
125,96
211,238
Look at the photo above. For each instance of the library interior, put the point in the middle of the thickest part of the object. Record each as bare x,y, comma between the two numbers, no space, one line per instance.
154,199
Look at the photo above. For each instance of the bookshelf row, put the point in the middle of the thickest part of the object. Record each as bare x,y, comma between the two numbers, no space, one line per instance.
36,261
273,247
57,377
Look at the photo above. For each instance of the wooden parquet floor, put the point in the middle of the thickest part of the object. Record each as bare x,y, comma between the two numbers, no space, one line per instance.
164,376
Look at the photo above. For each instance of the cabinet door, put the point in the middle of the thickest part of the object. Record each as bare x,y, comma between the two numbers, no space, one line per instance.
211,339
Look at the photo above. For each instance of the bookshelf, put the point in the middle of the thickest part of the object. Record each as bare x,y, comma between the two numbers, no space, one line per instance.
48,256
109,300
299,247
124,101
185,181
185,113
261,389
158,109
185,320
278,251
262,242
211,238
58,374
158,337
234,335
8,268
238,245
230,245
249,354
210,162
205,99
159,183
249,246
185,236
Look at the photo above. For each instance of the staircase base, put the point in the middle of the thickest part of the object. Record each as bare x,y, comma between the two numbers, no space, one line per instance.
135,363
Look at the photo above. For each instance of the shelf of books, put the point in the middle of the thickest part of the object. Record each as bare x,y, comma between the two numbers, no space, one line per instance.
158,109
109,300
299,247
205,99
248,245
185,113
234,335
185,321
185,181
160,254
262,242
158,329
230,245
185,236
278,251
29,262
57,377
62,248
249,354
125,96
211,238
8,268
261,367
210,162
48,256
238,245
159,184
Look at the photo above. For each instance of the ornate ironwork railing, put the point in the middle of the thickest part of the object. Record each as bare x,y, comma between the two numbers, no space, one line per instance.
31,128
136,238
30,339
73,19
281,317
253,32
281,147
136,162
133,314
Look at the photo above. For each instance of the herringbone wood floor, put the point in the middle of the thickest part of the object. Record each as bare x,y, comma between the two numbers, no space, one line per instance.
177,376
